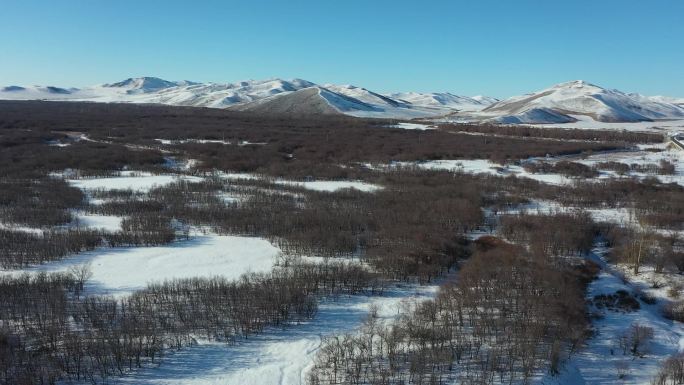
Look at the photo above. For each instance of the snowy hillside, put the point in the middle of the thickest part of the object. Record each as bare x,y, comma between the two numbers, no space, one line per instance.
258,95
350,100
558,103
563,103
445,99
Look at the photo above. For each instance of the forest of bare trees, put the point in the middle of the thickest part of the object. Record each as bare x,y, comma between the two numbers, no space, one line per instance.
513,304
508,315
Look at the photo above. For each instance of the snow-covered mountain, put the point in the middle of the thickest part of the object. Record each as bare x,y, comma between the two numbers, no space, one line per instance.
661,99
338,100
445,99
563,102
257,95
145,85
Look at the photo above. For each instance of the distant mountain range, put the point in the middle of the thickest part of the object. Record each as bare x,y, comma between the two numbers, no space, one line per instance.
272,95
562,103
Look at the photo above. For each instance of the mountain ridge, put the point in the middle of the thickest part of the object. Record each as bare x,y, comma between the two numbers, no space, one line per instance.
560,103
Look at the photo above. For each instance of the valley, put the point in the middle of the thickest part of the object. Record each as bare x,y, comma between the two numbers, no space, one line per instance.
261,248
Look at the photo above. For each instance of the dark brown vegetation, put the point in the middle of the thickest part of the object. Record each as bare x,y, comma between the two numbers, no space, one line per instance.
569,169
508,315
664,168
554,234
50,333
125,134
557,133
513,311
672,372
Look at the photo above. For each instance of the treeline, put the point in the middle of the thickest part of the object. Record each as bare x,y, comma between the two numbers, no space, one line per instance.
50,335
558,133
19,248
37,202
124,135
564,167
506,317
550,234
663,168
652,203
410,228
657,205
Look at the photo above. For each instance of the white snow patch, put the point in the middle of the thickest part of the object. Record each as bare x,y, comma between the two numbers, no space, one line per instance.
103,222
414,126
483,166
331,186
121,271
16,227
200,141
140,183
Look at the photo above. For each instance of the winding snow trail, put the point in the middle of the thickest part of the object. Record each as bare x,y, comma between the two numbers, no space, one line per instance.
277,356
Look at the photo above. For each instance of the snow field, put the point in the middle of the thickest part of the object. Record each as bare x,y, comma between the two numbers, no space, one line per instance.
121,271
332,186
145,182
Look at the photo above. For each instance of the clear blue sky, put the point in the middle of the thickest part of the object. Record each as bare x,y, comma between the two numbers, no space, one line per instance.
493,47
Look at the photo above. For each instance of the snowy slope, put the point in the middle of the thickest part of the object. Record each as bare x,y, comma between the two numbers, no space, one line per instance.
155,90
349,100
199,94
445,99
259,95
301,102
144,85
562,103
557,103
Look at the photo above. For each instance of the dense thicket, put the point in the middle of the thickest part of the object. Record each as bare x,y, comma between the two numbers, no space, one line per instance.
507,316
21,248
412,227
315,145
37,202
557,133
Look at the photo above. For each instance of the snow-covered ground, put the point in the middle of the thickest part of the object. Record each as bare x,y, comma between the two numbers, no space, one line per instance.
586,122
598,361
200,141
277,356
103,222
483,166
639,157
120,271
317,185
142,182
332,186
15,227
414,126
